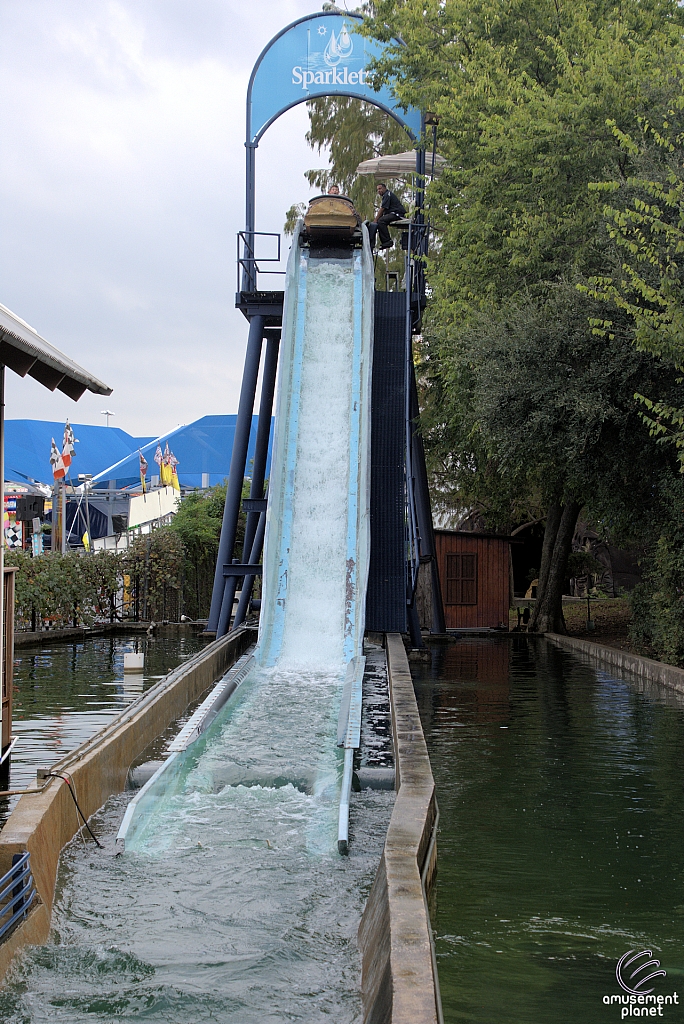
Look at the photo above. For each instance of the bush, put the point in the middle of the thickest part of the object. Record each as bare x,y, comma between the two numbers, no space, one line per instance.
658,602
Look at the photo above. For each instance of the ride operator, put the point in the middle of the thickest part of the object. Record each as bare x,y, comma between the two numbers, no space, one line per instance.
390,210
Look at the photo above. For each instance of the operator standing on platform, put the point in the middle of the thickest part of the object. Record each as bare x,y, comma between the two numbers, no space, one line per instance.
390,210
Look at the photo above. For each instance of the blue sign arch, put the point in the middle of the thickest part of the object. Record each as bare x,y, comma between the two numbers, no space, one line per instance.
322,54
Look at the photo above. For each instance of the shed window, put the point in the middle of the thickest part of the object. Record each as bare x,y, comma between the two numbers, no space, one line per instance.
461,581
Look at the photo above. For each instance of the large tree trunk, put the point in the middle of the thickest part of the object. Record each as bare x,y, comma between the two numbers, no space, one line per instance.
553,518
548,612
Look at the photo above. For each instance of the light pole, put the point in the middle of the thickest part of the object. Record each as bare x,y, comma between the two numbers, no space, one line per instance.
107,413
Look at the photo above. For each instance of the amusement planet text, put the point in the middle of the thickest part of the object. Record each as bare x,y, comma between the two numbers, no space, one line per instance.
641,1005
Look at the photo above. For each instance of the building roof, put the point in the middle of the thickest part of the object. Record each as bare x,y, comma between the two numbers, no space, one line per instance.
24,351
27,448
203,450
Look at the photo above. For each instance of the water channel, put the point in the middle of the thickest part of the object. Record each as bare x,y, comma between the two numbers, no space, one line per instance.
65,692
232,902
561,846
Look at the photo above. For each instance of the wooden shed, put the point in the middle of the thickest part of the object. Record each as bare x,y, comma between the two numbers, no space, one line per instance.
475,577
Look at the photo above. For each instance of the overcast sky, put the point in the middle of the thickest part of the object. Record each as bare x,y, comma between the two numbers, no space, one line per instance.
122,189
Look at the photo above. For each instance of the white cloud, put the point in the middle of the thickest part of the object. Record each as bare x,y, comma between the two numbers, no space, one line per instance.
122,190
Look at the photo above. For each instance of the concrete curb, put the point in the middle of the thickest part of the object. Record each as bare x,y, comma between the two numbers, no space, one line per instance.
44,822
643,668
24,638
398,983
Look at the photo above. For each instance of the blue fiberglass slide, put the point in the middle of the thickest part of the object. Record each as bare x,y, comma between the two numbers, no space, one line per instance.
315,557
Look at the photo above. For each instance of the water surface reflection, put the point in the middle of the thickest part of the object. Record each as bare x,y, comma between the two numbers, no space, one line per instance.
65,692
562,830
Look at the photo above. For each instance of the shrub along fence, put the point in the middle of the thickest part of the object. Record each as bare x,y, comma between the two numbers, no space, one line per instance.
163,574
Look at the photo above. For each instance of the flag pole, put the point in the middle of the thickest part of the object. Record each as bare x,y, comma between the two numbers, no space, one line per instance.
64,518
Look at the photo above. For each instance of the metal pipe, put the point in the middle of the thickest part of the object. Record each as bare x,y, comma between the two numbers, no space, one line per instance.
414,626
249,274
2,552
262,437
227,604
248,582
238,461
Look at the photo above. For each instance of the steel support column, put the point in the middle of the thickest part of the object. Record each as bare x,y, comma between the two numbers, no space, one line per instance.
424,512
263,435
224,589
248,581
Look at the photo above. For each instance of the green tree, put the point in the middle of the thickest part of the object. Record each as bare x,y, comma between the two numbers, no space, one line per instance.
531,415
198,524
645,219
524,93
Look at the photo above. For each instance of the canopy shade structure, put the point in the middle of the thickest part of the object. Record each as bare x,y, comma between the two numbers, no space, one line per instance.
399,165
24,351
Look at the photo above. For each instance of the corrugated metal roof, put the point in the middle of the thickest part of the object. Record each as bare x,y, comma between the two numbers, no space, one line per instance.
24,351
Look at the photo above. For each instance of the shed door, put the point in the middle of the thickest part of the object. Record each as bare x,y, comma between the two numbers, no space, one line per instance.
461,578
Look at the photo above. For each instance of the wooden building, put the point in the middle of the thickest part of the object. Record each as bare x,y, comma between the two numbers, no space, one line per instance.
475,577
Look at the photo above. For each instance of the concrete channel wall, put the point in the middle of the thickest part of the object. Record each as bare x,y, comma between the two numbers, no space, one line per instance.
398,978
44,822
644,668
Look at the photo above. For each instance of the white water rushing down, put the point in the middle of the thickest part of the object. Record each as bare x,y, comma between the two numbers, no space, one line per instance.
231,901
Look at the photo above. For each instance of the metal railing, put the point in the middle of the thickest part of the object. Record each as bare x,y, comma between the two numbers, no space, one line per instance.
17,892
248,268
415,250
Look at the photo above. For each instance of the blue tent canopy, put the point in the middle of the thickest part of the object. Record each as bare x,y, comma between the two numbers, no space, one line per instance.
27,448
203,450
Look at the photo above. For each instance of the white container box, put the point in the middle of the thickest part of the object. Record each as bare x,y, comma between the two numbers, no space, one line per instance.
134,662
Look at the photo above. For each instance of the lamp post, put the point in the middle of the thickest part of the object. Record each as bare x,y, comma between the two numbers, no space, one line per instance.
433,119
107,413
87,480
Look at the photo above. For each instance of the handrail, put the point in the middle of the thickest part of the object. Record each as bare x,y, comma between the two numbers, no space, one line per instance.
19,881
349,737
248,268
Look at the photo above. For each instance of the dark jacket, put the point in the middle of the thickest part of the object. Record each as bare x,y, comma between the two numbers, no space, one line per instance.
391,204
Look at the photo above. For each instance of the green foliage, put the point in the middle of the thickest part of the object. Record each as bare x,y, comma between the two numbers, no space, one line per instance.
198,524
645,219
155,561
527,408
163,574
658,602
583,563
65,589
352,131
524,93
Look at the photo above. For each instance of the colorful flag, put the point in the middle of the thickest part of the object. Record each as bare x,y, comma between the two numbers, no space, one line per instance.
166,469
86,541
158,457
57,462
68,450
143,470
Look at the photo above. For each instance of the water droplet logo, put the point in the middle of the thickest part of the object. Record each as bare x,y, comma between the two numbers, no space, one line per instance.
339,47
626,975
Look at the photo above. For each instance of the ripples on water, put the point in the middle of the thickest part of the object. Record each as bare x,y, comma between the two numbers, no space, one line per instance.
65,692
561,845
231,902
